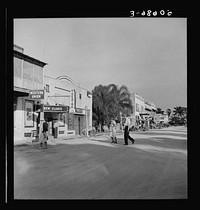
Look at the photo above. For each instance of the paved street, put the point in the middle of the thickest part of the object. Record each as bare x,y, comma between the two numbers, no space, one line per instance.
155,167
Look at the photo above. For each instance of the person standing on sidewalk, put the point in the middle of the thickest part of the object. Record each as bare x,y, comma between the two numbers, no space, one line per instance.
113,131
126,131
56,125
45,135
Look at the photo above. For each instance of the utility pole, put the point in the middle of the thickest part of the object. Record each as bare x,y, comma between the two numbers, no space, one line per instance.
86,121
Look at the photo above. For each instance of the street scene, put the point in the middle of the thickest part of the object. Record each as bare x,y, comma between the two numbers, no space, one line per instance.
100,108
154,167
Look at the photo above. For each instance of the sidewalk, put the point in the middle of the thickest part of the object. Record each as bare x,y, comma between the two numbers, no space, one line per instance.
51,141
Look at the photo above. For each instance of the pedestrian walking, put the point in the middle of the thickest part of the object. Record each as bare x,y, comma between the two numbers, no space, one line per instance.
126,131
113,131
44,136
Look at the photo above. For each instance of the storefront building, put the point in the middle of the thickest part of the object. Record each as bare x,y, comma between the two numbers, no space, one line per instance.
58,100
138,108
28,76
142,109
67,105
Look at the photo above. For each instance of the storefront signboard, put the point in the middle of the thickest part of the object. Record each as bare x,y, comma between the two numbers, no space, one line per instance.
51,108
36,94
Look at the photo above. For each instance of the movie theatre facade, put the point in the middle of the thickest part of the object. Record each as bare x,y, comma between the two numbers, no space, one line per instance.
38,96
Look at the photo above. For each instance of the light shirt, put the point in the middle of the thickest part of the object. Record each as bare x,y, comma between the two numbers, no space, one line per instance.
127,122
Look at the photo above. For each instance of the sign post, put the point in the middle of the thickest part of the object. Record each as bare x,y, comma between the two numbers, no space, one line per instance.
39,95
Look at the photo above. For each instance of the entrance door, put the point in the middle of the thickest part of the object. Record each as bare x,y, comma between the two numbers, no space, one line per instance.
79,125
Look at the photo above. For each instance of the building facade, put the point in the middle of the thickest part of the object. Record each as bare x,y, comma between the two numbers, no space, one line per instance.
75,106
142,109
28,76
38,96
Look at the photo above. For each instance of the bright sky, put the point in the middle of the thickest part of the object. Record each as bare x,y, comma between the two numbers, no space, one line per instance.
148,55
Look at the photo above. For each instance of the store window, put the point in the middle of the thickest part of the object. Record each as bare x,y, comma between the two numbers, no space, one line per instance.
137,107
29,118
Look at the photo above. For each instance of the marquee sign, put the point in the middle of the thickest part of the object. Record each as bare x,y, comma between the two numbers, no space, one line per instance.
36,94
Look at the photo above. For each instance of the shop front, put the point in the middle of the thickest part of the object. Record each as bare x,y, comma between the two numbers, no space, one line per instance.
58,120
26,115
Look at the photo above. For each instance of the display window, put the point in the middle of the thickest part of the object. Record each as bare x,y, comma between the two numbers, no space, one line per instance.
29,116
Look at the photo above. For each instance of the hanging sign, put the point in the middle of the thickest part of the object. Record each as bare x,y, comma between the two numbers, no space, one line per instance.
36,94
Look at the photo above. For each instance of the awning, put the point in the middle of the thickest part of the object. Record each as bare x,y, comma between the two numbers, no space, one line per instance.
20,92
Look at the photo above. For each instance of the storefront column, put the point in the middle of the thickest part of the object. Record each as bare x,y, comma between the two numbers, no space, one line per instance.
86,121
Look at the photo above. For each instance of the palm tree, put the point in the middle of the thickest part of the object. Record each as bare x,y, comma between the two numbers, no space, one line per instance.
119,100
179,111
109,101
100,101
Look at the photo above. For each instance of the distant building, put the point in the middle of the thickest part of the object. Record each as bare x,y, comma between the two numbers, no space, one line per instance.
158,118
142,109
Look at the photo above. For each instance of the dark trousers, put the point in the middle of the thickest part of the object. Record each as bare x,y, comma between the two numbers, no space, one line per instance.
126,136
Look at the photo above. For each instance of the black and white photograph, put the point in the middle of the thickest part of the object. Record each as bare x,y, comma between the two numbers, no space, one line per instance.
100,108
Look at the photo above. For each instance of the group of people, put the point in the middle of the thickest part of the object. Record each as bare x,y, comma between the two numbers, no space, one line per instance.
113,132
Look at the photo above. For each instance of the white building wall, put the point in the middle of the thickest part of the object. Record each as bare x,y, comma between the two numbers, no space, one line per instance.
56,88
19,121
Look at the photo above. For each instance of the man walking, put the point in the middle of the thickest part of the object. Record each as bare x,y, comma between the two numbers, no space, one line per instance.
44,136
126,131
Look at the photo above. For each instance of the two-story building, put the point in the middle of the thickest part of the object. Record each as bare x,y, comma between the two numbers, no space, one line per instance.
142,109
38,96
138,108
28,76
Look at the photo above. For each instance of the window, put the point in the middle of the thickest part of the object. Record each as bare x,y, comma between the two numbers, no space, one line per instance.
137,107
80,96
47,88
27,70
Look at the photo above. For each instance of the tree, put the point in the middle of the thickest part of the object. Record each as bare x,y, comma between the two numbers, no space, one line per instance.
100,103
179,116
159,111
179,111
120,100
109,101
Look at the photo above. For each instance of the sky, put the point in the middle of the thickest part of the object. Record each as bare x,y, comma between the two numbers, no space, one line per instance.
148,55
